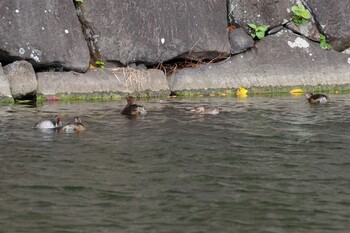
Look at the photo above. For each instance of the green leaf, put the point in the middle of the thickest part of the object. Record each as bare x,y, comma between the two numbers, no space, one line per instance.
306,14
323,42
325,45
100,64
260,34
295,8
300,14
297,20
253,35
262,28
252,25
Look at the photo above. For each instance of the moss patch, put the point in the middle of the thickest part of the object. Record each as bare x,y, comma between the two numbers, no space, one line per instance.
98,96
271,90
253,91
6,100
79,97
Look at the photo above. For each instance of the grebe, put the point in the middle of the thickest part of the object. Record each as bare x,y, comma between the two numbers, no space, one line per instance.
49,124
76,127
132,109
203,110
317,98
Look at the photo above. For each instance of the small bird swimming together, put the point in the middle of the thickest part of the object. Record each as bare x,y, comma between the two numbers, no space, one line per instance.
54,123
317,98
75,127
132,109
203,110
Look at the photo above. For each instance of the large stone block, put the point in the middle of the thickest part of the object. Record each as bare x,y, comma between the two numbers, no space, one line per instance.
155,31
267,12
334,18
46,33
119,80
308,29
22,80
282,59
5,91
240,41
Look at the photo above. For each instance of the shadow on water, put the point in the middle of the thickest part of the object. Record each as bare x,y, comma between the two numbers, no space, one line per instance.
264,164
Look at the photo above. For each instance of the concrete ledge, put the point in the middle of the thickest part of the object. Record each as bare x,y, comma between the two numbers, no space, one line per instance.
102,84
282,60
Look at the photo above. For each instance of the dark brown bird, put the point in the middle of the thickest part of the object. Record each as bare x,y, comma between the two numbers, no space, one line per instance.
317,98
132,109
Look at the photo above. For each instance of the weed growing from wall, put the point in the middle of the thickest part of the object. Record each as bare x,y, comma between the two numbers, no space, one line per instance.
323,42
258,31
300,14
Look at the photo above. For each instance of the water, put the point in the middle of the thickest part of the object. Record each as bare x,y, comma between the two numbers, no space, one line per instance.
264,164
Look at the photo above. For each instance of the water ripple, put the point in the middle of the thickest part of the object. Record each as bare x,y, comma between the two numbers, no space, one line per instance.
263,164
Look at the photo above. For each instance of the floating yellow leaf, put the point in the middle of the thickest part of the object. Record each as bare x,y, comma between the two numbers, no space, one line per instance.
241,92
297,90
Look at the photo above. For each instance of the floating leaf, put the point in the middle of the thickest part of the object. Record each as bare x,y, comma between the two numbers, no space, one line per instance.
296,90
241,92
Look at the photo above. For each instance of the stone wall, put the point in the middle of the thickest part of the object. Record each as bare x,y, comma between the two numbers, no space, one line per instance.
152,32
55,37
47,33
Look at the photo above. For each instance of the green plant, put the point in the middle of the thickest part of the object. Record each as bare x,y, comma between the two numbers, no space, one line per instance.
301,15
100,64
323,42
79,1
258,31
